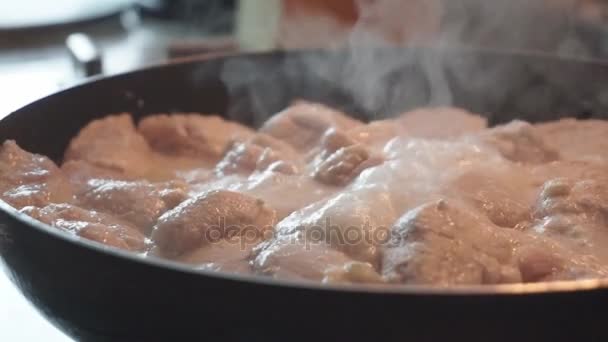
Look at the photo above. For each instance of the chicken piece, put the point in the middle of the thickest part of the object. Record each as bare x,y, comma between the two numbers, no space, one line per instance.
260,153
441,244
208,218
519,141
441,123
572,169
419,170
281,147
30,179
333,140
505,193
191,135
444,243
341,167
303,124
80,172
376,134
576,139
562,196
90,225
296,259
138,202
339,159
353,272
574,213
354,222
112,143
227,255
283,192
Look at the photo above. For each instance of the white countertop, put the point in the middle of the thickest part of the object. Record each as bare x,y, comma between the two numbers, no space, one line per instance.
19,321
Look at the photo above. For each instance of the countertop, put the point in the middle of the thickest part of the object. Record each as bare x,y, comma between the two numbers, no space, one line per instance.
19,321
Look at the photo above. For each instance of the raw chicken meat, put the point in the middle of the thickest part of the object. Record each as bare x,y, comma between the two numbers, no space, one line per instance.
208,218
192,135
90,225
30,179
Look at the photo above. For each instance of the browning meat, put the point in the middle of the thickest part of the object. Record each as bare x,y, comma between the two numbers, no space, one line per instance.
477,205
90,225
112,143
376,133
444,243
80,172
577,139
303,124
293,258
572,169
342,166
260,153
504,194
191,135
30,179
208,218
138,202
339,159
520,142
227,255
574,213
352,222
440,123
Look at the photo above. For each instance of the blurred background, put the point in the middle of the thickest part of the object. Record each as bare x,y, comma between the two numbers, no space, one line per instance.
39,52
49,45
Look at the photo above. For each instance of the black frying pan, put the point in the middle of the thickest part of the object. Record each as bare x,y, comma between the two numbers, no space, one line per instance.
94,293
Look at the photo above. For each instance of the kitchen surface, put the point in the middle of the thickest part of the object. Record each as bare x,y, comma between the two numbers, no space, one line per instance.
61,43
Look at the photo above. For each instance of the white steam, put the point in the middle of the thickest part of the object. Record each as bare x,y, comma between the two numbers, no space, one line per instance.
370,81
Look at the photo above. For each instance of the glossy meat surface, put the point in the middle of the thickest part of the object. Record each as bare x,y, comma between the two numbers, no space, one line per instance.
90,225
210,217
30,179
112,143
191,134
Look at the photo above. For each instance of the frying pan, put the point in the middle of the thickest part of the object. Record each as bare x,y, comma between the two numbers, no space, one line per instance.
95,293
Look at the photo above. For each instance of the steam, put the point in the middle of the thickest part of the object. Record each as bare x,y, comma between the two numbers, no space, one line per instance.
377,83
